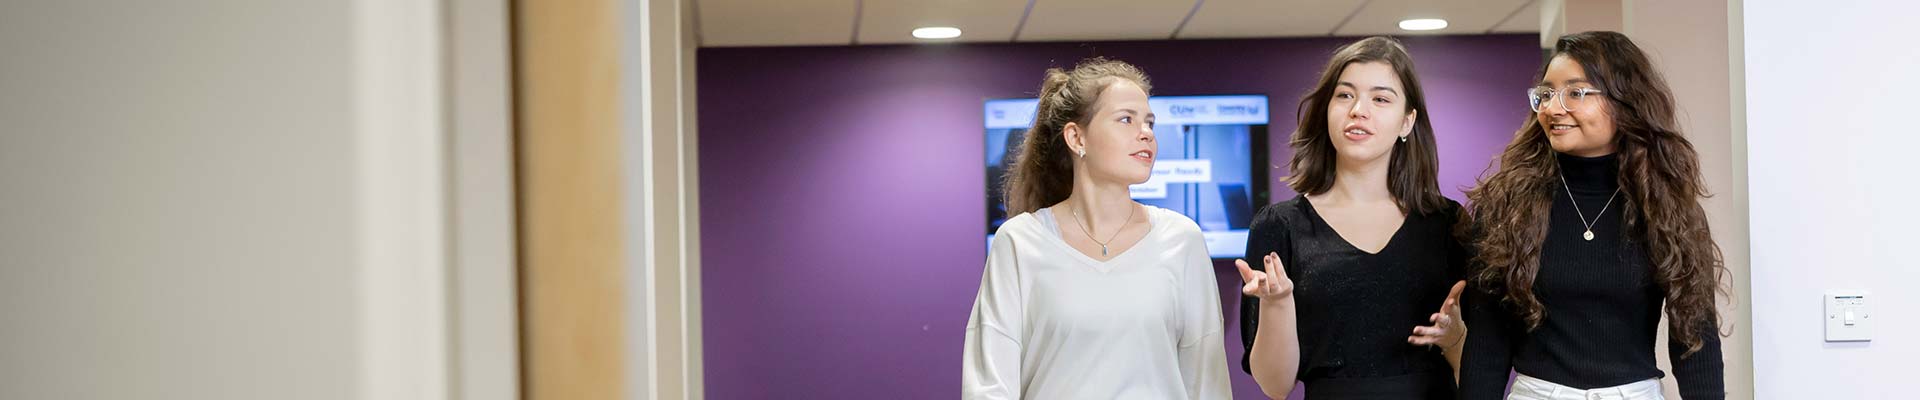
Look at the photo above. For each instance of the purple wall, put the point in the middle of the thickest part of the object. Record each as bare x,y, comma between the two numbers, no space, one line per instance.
842,203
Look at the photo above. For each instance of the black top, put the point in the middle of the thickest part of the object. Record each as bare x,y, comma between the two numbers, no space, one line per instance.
1355,309
1602,306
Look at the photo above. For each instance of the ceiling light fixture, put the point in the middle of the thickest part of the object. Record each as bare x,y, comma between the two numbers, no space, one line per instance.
1423,24
937,32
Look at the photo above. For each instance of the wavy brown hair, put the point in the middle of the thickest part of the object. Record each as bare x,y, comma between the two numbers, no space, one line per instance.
1042,174
1413,165
1659,175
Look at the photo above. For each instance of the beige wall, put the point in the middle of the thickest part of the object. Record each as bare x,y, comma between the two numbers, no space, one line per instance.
238,200
179,212
485,298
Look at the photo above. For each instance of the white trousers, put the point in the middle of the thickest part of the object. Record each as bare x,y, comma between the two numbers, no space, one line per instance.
1531,388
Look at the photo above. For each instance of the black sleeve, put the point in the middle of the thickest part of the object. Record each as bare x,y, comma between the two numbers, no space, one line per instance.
1492,332
1701,375
1267,234
1459,250
1488,358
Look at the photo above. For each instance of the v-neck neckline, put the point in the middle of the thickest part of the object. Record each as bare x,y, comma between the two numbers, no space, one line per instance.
1391,239
1059,237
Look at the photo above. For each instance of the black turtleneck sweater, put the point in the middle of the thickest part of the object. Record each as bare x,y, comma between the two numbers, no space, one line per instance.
1602,305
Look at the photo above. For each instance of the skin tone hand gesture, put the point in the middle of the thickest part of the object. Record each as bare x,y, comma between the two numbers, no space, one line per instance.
1275,356
1267,285
1447,330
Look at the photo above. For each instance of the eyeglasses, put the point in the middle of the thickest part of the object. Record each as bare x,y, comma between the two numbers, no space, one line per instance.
1538,97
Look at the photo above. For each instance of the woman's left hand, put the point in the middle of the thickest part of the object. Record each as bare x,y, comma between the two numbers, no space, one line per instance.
1447,330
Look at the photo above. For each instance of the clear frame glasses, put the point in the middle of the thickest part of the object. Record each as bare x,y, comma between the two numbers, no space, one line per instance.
1538,98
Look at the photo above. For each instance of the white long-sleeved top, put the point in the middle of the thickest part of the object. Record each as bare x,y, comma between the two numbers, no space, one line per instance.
1052,323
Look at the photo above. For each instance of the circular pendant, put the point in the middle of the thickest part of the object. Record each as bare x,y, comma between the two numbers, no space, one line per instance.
1589,235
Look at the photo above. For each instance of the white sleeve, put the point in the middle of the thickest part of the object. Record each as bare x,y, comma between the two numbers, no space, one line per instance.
990,366
1203,354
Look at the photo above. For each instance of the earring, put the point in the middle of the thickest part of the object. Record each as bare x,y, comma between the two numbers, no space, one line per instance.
1403,139
1083,152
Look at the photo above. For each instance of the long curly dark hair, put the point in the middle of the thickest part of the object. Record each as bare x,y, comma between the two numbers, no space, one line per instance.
1659,176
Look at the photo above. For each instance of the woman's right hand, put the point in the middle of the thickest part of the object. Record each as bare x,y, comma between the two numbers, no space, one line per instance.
1271,284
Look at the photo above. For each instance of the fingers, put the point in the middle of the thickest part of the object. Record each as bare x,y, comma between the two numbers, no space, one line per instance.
1451,307
1254,280
1275,273
1426,335
1262,284
1453,298
1432,334
1246,273
1266,283
1451,312
1439,320
1271,283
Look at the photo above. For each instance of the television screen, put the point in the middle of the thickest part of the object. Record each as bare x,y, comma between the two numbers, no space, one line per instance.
1210,165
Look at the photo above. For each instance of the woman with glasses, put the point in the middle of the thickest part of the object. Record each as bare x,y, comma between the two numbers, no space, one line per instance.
1589,228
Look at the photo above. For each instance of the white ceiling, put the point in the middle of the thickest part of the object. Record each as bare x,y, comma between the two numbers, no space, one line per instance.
728,23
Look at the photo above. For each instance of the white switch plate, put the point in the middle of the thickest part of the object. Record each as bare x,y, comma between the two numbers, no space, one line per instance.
1849,316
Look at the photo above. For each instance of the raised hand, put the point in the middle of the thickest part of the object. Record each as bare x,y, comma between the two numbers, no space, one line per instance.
1447,330
1271,284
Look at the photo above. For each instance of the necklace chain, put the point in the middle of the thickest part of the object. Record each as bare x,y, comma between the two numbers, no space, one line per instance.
1116,233
1582,214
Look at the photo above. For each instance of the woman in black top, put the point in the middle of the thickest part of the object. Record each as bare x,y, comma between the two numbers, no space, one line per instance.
1592,222
1368,250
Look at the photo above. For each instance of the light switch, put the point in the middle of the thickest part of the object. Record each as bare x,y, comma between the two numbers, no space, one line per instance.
1849,316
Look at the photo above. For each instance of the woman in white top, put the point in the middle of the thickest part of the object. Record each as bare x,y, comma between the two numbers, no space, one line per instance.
1094,296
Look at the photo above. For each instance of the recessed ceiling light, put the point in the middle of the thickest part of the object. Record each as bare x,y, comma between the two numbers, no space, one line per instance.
1423,24
937,32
